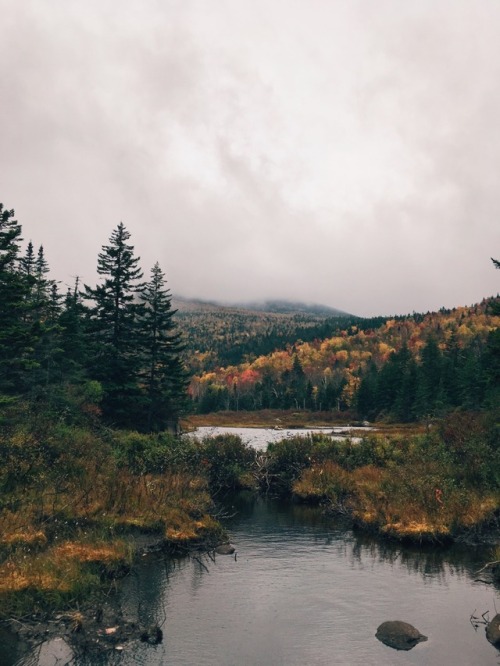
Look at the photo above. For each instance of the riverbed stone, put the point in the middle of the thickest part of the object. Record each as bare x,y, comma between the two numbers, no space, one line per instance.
399,635
493,631
152,635
225,549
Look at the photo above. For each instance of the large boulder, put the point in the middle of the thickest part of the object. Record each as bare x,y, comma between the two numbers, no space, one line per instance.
399,635
493,631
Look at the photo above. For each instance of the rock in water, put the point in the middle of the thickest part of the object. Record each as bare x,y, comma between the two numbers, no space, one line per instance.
225,549
493,631
152,635
399,635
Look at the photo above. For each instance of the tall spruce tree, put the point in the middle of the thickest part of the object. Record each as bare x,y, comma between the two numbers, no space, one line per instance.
42,284
16,339
43,312
404,403
429,397
113,323
27,268
163,373
74,345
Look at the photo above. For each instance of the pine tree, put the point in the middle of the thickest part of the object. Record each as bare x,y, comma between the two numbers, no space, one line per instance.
43,306
27,263
72,321
404,406
429,396
42,285
366,397
113,327
388,382
163,373
16,340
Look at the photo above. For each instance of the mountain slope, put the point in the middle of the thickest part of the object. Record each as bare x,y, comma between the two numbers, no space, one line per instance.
219,335
409,366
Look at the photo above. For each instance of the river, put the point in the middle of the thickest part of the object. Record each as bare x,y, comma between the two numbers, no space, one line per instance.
303,590
259,438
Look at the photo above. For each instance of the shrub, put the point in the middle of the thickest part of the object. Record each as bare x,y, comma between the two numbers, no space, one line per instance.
226,460
155,453
286,460
328,482
473,447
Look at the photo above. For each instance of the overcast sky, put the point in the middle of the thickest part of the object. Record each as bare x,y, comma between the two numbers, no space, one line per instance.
344,152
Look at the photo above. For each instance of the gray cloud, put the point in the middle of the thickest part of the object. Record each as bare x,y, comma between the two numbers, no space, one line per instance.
340,152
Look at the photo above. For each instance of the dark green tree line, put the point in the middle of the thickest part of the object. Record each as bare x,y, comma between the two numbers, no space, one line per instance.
119,335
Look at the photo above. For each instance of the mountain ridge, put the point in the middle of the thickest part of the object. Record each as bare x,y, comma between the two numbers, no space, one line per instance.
274,306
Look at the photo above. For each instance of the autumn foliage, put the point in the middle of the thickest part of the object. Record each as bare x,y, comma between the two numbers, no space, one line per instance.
407,368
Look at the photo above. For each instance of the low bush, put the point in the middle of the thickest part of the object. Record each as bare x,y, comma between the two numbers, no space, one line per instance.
328,483
286,460
227,462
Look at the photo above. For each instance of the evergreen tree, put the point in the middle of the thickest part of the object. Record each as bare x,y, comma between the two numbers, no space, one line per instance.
450,364
27,263
163,373
115,349
404,405
16,340
72,320
43,307
366,397
27,268
430,386
389,381
42,284
35,269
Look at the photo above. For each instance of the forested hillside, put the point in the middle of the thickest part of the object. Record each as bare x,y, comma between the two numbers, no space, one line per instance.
218,336
405,368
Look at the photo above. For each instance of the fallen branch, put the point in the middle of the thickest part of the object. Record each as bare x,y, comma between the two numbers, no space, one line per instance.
489,564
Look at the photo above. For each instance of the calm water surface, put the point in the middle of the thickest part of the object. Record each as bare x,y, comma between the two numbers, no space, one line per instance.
303,590
259,438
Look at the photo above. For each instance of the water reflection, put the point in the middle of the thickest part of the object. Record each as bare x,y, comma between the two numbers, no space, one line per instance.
259,438
305,589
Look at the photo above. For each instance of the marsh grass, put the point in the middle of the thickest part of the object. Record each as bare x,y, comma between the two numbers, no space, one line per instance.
265,418
64,573
423,487
73,498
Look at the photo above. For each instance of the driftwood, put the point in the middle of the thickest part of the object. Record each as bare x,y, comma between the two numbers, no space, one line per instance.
486,566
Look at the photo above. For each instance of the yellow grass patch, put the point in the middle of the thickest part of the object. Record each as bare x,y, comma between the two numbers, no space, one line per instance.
16,579
83,552
25,538
180,535
416,530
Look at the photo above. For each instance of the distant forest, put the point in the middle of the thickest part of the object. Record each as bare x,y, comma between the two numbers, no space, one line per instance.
227,336
400,368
